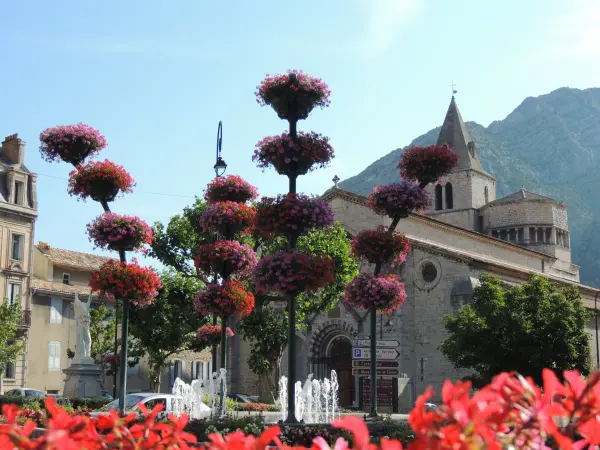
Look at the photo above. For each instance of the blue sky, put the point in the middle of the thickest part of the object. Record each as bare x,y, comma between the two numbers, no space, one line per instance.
156,77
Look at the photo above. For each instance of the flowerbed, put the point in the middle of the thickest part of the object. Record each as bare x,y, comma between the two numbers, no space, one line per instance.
427,164
379,246
225,258
288,157
293,95
121,280
292,272
115,231
397,200
211,334
227,218
228,299
99,180
71,143
384,292
231,188
291,215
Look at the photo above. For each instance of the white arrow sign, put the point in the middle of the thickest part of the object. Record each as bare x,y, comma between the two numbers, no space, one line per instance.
382,353
367,343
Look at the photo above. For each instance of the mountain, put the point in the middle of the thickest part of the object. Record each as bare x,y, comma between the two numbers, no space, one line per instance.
551,145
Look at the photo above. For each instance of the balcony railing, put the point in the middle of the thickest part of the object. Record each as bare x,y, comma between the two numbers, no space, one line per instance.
25,318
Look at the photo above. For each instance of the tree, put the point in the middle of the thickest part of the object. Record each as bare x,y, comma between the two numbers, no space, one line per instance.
265,328
10,345
168,325
523,328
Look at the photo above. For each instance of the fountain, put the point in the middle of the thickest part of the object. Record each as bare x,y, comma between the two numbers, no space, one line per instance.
316,401
193,395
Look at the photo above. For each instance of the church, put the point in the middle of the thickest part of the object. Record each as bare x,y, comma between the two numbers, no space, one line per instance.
466,232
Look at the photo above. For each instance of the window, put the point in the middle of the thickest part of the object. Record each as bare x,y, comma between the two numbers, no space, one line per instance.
178,369
540,235
56,305
512,235
14,292
205,371
429,272
52,392
521,235
486,195
18,197
66,278
18,241
438,197
531,235
54,356
197,370
449,199
10,371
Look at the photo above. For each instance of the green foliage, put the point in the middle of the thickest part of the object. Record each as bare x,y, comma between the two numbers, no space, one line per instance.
525,328
102,332
76,403
248,424
168,325
10,345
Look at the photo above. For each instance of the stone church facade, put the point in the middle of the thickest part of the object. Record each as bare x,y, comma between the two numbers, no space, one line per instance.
466,232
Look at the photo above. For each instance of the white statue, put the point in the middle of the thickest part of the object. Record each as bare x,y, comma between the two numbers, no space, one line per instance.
84,339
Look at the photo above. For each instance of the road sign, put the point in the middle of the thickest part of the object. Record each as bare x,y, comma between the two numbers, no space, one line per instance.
380,344
382,353
365,371
385,392
380,364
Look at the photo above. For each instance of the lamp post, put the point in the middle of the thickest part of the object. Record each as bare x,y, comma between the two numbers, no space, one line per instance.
596,318
220,165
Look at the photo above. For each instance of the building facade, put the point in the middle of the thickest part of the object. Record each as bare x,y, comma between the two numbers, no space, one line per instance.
467,232
18,213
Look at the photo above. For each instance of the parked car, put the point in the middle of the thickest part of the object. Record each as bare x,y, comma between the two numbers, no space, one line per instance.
242,398
29,394
149,400
106,395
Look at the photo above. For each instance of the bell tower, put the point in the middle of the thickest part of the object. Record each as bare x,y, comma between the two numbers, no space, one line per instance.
457,197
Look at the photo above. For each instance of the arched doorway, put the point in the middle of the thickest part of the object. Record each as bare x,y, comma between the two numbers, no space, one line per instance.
340,360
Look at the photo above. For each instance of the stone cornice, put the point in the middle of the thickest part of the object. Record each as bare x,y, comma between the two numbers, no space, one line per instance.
434,223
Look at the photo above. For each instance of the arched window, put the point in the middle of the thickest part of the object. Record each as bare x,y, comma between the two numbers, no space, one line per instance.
486,195
449,199
438,197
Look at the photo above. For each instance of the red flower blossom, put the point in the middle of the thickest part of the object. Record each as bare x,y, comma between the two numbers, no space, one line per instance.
380,247
100,181
292,272
293,95
132,282
293,157
228,299
71,143
211,334
230,188
291,215
227,218
225,258
384,292
427,164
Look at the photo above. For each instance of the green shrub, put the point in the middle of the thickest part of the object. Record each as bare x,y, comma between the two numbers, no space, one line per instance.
248,424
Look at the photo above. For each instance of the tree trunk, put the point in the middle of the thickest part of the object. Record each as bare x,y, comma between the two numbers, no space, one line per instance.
268,388
1,383
157,381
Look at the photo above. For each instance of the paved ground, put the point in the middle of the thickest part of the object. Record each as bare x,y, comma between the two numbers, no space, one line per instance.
274,417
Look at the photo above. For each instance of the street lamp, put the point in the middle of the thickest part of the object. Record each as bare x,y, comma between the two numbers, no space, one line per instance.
596,317
220,166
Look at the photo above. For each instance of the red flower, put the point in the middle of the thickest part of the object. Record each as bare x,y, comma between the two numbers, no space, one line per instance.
293,157
380,247
100,181
211,334
228,299
71,143
230,188
227,218
292,272
225,258
126,281
427,164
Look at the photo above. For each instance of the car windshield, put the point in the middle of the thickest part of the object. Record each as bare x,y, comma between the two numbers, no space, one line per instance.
130,401
32,393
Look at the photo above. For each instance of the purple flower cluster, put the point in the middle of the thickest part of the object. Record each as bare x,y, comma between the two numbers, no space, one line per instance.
384,292
227,218
71,143
230,188
398,199
115,231
291,215
226,258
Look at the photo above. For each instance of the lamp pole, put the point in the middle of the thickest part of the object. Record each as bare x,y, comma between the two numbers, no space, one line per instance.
596,318
220,165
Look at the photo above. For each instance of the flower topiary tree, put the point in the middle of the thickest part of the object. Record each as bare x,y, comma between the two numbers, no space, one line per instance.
103,181
226,259
293,96
375,292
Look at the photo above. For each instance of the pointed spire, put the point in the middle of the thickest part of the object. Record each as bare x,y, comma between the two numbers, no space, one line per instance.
454,133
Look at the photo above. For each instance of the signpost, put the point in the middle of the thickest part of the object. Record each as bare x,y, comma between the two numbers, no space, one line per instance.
380,364
385,392
382,353
365,371
380,344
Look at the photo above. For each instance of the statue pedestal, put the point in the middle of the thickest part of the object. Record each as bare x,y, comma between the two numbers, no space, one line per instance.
83,379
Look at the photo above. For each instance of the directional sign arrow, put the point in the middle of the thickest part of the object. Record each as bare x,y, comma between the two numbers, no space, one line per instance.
380,344
382,353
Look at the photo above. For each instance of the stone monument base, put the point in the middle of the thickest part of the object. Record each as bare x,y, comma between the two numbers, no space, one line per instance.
83,379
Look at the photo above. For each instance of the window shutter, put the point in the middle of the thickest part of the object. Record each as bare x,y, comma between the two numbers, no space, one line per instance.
194,371
171,374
